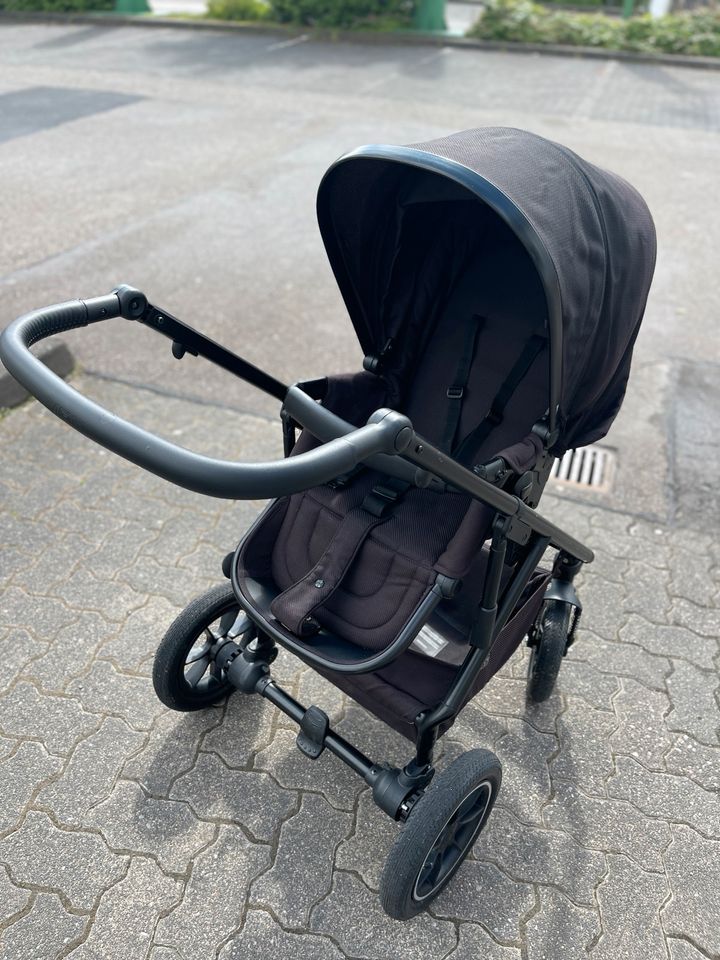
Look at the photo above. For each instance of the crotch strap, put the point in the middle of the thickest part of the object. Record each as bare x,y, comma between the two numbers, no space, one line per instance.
294,607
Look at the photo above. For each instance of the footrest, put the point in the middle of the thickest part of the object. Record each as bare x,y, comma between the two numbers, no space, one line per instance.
313,730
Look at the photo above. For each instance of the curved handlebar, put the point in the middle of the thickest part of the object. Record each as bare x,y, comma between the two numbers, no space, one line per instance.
387,432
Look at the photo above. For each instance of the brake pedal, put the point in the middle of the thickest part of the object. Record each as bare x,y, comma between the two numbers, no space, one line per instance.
313,730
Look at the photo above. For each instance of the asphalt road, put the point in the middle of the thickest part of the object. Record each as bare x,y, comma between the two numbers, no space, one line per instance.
186,163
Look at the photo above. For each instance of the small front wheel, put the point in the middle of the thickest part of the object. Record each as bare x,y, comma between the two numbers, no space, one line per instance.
185,675
548,643
439,833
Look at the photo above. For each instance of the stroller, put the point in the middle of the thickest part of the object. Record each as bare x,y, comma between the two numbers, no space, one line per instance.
496,282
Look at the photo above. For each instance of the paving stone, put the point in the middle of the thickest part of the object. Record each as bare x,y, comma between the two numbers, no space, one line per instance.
702,620
245,729
42,616
326,775
689,576
44,932
250,798
166,829
641,729
21,776
261,937
59,722
629,900
474,943
606,600
133,646
53,564
693,868
613,825
177,585
171,748
481,893
105,690
646,592
12,898
302,872
507,697
585,756
695,705
214,896
367,848
68,516
123,925
585,680
352,915
666,796
682,950
695,760
524,754
70,653
474,727
164,953
621,659
670,641
19,647
121,549
91,772
559,928
78,864
534,855
83,591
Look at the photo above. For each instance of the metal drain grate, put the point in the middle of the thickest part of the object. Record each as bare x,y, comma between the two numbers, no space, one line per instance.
591,467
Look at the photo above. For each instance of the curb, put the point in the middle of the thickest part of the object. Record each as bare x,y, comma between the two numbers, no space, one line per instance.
395,37
54,354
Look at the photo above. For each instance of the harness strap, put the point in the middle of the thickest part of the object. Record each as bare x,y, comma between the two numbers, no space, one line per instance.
456,392
475,439
295,606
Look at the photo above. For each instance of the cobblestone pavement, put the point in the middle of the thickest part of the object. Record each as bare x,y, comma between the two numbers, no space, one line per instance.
128,831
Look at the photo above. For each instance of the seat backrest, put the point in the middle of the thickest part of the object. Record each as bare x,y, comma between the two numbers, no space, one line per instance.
502,288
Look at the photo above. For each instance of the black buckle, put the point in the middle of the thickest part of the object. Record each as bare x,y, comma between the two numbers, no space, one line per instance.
387,493
455,393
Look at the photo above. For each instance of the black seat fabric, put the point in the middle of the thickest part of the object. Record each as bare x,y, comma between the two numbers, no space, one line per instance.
492,308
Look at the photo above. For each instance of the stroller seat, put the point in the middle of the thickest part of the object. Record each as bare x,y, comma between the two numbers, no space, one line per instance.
355,558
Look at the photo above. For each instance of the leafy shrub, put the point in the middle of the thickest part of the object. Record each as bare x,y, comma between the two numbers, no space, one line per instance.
696,32
343,13
238,10
56,6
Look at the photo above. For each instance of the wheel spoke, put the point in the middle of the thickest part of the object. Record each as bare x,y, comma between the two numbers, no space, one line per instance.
227,621
197,671
199,653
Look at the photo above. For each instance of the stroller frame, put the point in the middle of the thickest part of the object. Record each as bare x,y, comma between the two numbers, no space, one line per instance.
389,443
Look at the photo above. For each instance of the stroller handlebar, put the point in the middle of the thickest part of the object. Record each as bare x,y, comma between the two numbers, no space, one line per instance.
387,432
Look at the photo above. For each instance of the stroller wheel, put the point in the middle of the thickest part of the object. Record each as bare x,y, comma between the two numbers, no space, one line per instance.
548,642
184,673
439,833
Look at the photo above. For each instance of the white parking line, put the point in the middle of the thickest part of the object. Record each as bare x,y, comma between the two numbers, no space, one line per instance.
282,44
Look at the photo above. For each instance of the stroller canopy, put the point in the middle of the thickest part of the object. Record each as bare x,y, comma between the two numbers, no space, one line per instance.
386,215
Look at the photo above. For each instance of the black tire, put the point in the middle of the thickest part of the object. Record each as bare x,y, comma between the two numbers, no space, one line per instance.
548,644
171,666
434,842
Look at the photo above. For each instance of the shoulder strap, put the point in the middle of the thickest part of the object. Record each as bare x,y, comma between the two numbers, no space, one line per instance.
475,439
456,392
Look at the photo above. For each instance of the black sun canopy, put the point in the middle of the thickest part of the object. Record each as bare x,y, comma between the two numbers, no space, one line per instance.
588,233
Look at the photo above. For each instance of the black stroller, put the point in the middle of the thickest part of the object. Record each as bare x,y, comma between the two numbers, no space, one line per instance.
496,282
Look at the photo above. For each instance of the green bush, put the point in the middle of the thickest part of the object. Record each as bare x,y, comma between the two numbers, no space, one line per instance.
56,6
696,32
343,13
238,10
